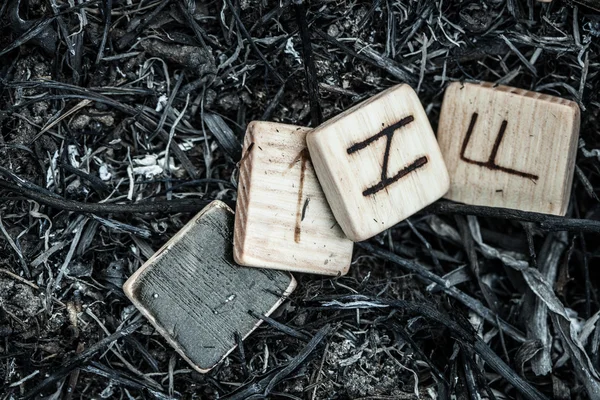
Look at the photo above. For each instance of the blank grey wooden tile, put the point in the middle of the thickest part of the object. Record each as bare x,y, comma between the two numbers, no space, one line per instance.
197,297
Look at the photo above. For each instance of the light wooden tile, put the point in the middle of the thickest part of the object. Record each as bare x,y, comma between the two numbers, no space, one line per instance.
283,220
195,295
378,162
507,147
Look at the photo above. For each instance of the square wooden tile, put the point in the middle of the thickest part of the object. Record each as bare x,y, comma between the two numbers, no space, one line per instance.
195,295
378,162
282,219
508,147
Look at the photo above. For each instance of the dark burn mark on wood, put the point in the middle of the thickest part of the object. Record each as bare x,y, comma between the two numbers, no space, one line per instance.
303,157
305,207
389,134
418,163
491,162
247,153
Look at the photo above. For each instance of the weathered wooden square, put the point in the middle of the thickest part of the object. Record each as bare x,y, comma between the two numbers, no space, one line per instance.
508,147
283,220
197,297
378,162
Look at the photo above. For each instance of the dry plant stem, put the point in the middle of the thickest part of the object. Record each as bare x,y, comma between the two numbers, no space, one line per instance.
281,327
121,379
469,245
248,37
262,388
18,278
15,248
536,309
309,65
472,303
374,59
464,336
82,358
88,94
580,369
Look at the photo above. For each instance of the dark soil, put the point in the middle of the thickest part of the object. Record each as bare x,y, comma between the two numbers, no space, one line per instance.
120,119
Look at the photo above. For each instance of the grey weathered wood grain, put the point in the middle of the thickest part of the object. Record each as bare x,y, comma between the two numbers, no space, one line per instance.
193,292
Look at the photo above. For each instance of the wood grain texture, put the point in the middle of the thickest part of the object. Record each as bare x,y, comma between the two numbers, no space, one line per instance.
508,147
282,219
378,162
195,295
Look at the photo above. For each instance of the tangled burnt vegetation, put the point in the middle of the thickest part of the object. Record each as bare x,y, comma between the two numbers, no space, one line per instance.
120,119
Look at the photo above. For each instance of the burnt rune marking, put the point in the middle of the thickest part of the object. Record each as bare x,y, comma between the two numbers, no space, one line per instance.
491,162
388,133
303,157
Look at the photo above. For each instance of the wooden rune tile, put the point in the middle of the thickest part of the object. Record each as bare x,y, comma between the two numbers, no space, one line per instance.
195,295
283,220
378,162
508,147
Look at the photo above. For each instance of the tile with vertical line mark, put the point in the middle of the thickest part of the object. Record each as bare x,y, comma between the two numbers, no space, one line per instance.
283,220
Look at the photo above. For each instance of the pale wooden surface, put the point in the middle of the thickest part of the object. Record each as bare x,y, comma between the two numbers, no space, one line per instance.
351,171
282,219
195,295
532,169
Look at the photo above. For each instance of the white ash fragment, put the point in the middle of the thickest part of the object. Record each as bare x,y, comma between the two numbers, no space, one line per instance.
52,173
73,155
162,102
104,173
289,49
151,165
147,160
148,171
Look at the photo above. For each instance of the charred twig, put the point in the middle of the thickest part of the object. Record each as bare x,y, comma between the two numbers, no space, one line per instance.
281,327
536,310
81,358
309,65
107,15
467,300
245,33
545,221
262,388
130,36
175,206
95,182
372,58
41,31
465,337
122,379
15,248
